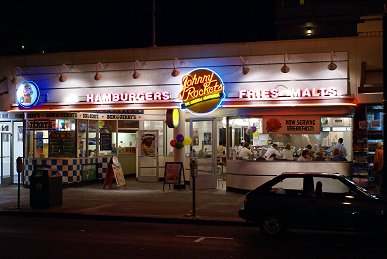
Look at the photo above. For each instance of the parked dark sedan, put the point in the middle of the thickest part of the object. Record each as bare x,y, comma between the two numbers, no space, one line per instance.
313,200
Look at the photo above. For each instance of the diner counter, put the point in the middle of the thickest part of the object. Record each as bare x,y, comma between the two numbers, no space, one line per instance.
245,175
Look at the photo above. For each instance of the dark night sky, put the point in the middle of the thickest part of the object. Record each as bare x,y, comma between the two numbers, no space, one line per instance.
55,27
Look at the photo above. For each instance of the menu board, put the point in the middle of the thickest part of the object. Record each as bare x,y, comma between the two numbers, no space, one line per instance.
114,168
105,140
62,144
173,172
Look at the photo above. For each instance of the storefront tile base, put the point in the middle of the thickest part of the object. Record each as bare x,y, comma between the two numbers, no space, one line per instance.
69,168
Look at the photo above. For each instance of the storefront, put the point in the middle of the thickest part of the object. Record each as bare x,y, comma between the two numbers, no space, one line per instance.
76,125
11,146
265,106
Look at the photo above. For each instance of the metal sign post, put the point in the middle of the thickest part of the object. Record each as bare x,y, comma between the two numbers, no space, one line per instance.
194,172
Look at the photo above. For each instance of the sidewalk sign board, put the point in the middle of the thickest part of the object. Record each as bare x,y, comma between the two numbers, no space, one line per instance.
172,174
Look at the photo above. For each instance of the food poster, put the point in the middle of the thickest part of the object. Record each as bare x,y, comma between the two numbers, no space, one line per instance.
291,125
148,144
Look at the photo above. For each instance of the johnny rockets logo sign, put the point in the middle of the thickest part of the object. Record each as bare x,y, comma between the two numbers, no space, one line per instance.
202,91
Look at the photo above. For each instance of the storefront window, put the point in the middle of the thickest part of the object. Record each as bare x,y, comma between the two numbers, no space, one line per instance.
82,137
251,130
202,138
107,142
127,136
92,138
38,140
88,138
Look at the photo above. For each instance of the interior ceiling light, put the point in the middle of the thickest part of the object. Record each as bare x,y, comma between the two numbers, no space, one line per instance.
136,74
14,80
175,72
98,75
62,77
332,66
245,69
285,68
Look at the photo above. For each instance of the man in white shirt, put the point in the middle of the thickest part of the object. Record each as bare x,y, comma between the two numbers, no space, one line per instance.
245,152
340,147
239,148
272,153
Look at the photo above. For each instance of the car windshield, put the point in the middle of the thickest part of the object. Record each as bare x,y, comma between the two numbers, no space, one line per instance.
361,189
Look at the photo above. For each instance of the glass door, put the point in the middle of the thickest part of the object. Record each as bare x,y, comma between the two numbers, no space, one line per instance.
6,173
148,157
204,136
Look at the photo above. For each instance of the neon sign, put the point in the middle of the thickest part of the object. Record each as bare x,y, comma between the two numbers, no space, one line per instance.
202,91
293,93
127,97
27,94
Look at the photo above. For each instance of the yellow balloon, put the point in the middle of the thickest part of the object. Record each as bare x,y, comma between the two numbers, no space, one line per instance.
187,141
255,133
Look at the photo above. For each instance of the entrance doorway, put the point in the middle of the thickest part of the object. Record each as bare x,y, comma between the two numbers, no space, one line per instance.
6,172
204,144
148,156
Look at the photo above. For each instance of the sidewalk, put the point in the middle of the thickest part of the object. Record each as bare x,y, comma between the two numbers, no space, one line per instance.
138,200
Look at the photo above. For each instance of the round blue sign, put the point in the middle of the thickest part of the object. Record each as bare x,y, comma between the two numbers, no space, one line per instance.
27,94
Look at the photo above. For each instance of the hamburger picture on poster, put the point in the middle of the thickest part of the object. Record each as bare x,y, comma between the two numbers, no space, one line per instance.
273,125
202,91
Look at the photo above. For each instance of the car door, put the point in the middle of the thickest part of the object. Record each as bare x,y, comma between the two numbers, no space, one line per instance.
287,199
335,208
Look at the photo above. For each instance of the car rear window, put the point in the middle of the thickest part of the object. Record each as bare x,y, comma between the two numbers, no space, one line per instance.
331,185
290,184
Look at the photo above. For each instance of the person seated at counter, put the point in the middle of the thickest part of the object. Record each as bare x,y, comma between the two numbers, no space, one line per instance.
287,152
220,150
304,156
239,148
337,156
272,153
245,152
311,152
204,153
319,156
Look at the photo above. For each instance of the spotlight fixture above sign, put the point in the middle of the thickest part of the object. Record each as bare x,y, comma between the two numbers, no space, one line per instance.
332,66
285,68
175,72
98,75
136,74
245,69
62,77
14,80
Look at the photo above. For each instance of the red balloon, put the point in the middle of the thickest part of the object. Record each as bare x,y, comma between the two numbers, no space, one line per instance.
173,142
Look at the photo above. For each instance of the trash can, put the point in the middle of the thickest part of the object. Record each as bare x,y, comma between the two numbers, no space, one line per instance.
45,188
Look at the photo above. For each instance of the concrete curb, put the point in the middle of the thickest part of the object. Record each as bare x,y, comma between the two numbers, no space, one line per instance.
179,219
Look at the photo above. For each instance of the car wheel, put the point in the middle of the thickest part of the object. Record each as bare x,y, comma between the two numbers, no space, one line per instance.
271,225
